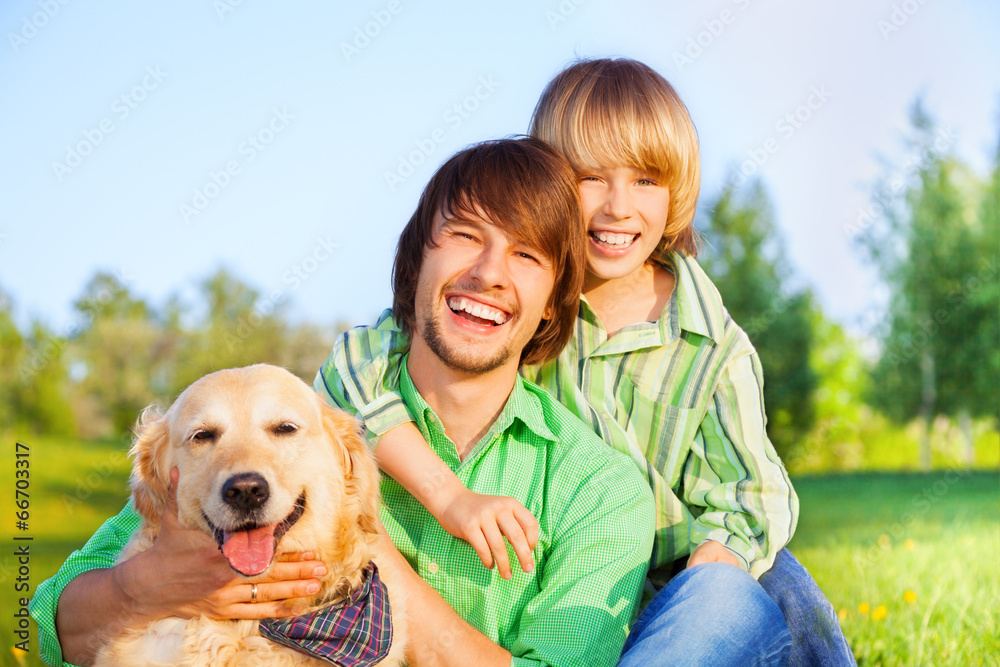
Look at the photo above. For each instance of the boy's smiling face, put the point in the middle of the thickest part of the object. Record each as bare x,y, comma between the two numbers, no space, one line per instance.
626,212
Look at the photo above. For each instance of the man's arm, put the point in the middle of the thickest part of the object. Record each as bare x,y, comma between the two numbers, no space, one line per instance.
734,472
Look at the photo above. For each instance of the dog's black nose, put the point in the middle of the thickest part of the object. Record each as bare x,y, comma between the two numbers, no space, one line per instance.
246,491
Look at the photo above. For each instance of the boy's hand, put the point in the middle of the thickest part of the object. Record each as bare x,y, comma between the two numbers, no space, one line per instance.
711,551
483,521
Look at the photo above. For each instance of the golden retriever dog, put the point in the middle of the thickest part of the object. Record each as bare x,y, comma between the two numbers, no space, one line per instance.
266,468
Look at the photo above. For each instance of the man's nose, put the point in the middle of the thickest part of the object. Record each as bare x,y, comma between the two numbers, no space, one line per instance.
491,269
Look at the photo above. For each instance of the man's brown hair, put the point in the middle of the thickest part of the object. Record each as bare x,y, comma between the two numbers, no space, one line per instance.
529,191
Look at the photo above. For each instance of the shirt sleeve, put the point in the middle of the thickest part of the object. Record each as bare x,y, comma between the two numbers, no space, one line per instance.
100,552
735,474
361,376
594,574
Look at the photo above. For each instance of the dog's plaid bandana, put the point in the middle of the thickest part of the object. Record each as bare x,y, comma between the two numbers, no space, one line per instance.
354,633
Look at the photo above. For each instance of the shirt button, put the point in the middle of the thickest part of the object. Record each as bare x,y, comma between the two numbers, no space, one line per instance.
433,568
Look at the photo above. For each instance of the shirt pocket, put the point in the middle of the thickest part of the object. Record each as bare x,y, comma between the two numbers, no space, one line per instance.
662,431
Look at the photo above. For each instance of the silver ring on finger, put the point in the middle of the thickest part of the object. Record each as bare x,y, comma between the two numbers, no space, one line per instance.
253,593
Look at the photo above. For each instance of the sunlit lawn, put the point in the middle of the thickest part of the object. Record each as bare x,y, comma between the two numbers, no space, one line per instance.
910,561
868,539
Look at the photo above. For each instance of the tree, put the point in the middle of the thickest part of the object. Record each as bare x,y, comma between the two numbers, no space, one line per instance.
33,382
238,328
936,261
746,260
119,348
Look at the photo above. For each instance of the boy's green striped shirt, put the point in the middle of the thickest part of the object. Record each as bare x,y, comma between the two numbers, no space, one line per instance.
682,396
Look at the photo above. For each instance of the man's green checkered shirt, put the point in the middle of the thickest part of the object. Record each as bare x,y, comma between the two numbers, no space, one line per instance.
595,516
682,396
595,533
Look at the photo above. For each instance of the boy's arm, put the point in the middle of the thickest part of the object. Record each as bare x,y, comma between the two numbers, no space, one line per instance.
481,520
361,376
736,475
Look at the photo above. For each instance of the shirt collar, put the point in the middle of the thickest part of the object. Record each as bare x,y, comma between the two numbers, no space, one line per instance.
695,304
522,405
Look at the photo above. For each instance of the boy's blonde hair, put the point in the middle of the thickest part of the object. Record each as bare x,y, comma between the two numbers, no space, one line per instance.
611,112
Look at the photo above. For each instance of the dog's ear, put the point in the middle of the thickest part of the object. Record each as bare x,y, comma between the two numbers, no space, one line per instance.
362,474
150,472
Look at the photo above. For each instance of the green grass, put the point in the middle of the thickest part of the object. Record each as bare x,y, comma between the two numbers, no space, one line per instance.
870,538
866,538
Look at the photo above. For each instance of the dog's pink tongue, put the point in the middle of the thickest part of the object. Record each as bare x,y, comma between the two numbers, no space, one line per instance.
249,551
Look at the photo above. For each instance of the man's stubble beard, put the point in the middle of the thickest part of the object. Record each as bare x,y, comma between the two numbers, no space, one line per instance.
454,359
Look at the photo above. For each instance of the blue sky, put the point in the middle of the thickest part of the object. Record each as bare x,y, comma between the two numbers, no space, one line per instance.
289,141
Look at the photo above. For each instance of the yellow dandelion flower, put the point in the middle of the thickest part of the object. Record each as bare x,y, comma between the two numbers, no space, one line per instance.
883,541
909,544
880,613
863,608
910,596
842,614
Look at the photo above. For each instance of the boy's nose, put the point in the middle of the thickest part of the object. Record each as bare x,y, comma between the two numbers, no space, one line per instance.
618,205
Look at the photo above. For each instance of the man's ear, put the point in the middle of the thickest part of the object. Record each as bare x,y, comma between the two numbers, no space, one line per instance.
150,472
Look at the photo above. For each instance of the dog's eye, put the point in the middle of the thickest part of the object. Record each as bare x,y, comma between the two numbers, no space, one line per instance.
203,435
285,429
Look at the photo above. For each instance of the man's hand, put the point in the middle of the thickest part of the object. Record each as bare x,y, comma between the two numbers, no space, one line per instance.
483,521
711,551
184,574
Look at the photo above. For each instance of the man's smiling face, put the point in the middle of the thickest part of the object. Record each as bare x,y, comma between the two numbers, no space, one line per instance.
480,295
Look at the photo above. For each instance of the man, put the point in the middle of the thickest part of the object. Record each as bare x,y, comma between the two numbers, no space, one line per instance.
486,276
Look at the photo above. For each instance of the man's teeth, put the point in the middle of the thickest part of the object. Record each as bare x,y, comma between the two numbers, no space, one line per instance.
477,309
611,239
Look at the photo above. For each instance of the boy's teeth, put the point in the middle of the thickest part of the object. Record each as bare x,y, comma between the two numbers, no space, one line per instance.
612,239
477,309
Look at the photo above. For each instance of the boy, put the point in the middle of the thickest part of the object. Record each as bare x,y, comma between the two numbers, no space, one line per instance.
656,367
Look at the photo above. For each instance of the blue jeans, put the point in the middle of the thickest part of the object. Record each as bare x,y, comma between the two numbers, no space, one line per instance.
710,614
816,635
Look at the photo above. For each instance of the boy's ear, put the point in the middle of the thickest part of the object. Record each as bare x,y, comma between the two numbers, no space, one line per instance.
150,475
